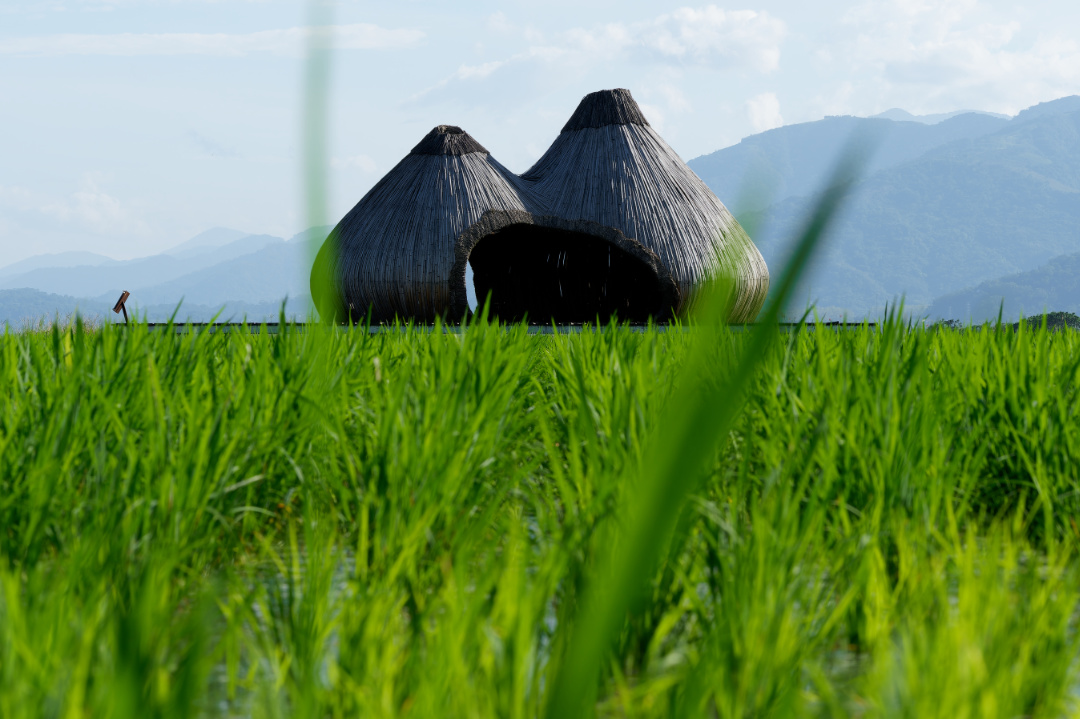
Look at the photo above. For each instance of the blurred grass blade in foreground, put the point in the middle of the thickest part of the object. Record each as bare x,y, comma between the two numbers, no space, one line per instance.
697,415
316,96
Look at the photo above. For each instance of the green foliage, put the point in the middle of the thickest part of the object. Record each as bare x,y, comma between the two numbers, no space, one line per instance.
331,523
1052,320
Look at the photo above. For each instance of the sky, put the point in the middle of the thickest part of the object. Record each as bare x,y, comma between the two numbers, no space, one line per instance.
128,126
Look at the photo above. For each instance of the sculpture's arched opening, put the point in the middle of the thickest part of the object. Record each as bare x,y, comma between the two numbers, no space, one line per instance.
564,276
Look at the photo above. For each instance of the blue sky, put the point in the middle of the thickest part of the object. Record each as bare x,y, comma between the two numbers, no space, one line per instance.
127,126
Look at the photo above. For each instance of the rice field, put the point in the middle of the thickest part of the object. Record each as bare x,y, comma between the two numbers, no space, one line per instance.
878,522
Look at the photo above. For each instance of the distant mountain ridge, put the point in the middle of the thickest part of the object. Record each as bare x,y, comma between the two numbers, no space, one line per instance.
1000,196
1061,106
1054,286
30,308
143,272
266,275
951,216
904,116
206,241
61,259
251,275
796,160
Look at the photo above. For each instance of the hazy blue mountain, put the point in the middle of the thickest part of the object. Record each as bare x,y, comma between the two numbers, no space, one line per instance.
21,307
59,259
296,309
796,160
24,308
965,212
207,240
244,245
1054,286
972,199
248,277
269,274
904,116
313,234
1060,106
86,281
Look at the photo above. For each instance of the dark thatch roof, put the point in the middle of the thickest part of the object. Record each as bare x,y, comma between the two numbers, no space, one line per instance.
609,220
395,249
623,175
448,140
607,107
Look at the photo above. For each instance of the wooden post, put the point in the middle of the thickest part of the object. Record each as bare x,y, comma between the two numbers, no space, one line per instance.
119,306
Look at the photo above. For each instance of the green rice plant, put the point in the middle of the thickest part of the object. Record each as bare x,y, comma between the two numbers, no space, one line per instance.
698,414
984,632
330,523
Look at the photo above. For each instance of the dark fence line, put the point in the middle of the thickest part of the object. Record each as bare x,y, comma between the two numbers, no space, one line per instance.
274,328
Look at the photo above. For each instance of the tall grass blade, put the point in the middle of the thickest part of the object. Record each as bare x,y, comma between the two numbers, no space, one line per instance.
697,417
316,94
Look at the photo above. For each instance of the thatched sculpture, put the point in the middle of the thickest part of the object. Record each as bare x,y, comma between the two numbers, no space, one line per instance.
609,221
394,251
609,166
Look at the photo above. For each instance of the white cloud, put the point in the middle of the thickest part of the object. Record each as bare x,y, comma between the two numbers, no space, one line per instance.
212,147
287,41
498,23
93,209
764,112
38,7
359,162
946,54
463,73
674,98
706,37
711,35
17,198
655,114
469,72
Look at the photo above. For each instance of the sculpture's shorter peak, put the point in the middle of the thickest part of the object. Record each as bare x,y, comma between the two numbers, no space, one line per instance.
448,140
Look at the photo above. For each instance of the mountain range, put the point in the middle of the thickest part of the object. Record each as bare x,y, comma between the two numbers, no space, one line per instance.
958,215
937,209
1054,286
796,160
220,272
